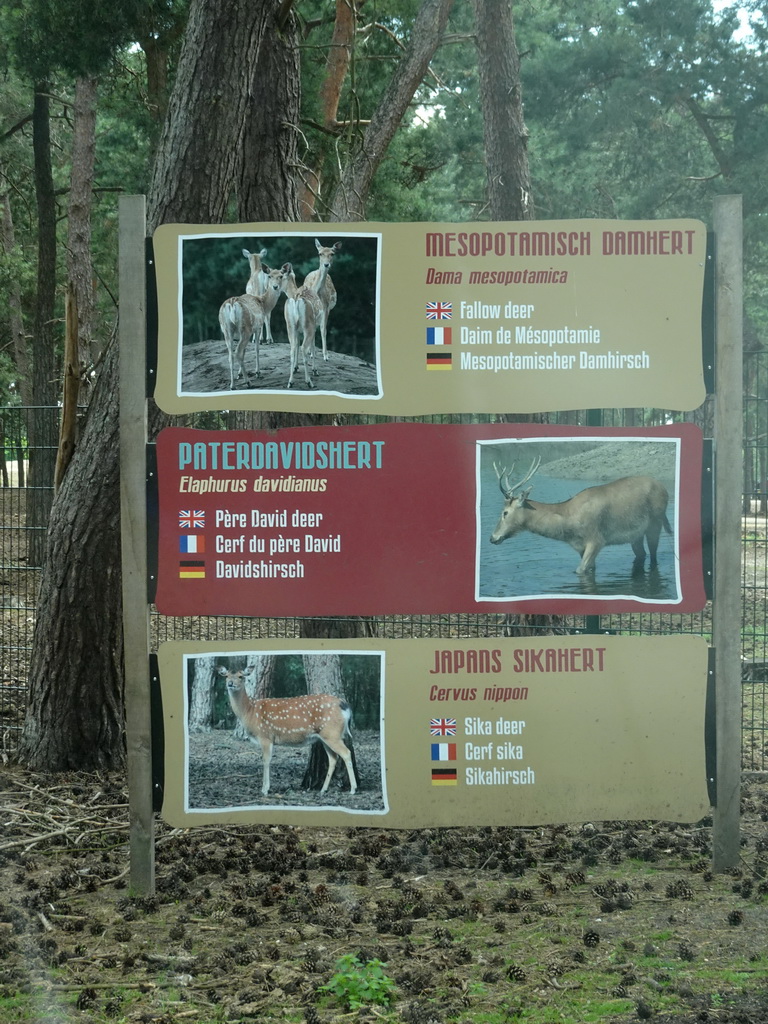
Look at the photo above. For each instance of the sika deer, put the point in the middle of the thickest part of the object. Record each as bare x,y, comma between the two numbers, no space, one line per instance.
293,721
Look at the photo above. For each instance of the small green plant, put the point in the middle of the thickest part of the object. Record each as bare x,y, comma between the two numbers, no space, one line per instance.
357,984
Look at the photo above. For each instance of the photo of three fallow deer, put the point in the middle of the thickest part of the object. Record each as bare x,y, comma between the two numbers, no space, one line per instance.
335,330
307,307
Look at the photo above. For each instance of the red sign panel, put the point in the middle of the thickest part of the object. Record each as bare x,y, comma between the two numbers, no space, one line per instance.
418,518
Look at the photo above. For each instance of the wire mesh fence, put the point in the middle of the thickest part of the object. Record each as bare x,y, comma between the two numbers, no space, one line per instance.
23,505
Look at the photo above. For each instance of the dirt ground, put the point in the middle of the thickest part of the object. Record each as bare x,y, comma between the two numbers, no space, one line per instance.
614,922
227,772
205,368
568,924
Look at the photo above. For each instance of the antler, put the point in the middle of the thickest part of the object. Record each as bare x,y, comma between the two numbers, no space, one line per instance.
508,489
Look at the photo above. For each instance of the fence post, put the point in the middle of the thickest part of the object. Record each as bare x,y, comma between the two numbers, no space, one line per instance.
729,461
133,518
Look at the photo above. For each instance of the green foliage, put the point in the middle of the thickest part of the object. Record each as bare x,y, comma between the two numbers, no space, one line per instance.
79,37
356,984
639,110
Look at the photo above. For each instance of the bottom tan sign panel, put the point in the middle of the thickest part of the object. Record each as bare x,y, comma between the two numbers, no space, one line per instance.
435,732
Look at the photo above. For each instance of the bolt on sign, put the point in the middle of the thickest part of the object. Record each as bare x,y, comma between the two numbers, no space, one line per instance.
409,518
521,731
414,319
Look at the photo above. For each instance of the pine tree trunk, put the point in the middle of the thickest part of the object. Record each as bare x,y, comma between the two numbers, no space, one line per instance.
43,422
504,133
201,695
509,196
15,317
75,711
74,715
337,66
79,263
349,199
267,184
323,675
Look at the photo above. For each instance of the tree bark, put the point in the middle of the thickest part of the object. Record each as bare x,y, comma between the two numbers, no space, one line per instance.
504,133
43,440
211,110
79,263
349,199
201,694
79,298
75,711
267,182
323,675
15,316
337,66
70,389
74,717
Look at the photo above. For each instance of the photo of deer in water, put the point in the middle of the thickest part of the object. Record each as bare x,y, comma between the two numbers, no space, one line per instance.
578,516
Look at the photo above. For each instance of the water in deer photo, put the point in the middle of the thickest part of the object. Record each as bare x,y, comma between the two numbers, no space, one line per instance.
529,565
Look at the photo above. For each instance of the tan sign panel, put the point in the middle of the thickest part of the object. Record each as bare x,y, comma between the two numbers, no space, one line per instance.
414,319
452,732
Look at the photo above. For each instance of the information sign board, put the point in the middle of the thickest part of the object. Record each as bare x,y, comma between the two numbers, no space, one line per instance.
456,732
420,518
435,318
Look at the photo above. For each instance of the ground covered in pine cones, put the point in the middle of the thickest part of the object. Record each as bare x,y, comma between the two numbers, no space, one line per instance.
609,922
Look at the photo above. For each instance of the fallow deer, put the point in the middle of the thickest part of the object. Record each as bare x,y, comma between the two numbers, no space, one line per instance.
265,284
302,310
320,282
240,318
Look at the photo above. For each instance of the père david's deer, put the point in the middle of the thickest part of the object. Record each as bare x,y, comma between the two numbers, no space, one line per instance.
293,721
240,318
265,283
320,282
623,511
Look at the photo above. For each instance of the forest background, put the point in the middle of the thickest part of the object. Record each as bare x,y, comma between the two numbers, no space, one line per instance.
278,111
